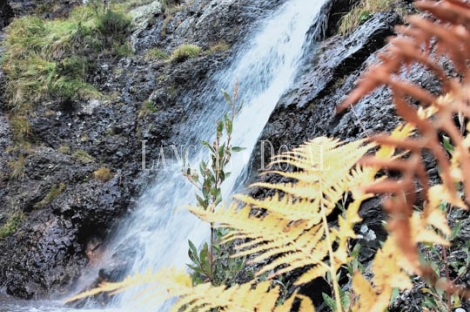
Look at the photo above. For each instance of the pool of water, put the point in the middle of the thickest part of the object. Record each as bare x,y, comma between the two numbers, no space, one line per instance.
8,304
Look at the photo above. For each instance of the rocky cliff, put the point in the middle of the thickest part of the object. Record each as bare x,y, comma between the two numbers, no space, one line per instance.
80,172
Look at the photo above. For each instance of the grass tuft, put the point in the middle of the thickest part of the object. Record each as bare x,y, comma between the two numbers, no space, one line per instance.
83,157
103,174
361,13
147,108
17,168
12,225
184,52
219,47
53,193
156,54
49,59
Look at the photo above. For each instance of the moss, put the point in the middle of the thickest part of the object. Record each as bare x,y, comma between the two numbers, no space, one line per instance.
156,54
17,168
53,193
184,52
103,174
361,13
12,225
147,108
83,157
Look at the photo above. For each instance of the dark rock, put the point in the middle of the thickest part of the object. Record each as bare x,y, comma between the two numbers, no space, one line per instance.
6,13
304,111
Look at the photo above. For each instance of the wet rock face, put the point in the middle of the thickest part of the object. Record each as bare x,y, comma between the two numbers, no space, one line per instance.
47,252
203,22
307,110
66,212
6,13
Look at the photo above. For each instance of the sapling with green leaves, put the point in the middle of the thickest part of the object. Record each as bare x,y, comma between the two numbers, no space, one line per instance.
213,262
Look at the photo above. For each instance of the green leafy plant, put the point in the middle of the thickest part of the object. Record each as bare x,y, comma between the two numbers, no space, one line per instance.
214,263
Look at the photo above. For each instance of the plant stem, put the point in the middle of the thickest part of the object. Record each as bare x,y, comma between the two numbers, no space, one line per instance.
331,255
444,256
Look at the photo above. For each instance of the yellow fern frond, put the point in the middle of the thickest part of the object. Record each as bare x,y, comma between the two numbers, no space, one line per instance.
388,274
327,172
292,244
169,283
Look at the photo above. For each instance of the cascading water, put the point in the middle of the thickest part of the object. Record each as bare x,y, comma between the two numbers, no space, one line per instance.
266,65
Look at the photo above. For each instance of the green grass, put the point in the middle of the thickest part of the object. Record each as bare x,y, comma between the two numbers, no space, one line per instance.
17,168
49,59
20,127
147,108
64,149
361,13
53,193
219,47
184,52
83,157
156,54
12,225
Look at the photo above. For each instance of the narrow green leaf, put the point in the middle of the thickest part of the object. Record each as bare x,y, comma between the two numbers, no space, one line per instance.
237,149
329,301
206,144
227,97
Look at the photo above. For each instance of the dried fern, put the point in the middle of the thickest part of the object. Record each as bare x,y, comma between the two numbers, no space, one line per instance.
424,41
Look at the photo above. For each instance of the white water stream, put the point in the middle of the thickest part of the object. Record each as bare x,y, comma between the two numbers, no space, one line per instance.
266,65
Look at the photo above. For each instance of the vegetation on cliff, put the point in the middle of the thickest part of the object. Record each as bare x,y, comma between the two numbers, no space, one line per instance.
296,231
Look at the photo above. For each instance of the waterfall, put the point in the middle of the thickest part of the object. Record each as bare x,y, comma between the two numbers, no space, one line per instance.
266,64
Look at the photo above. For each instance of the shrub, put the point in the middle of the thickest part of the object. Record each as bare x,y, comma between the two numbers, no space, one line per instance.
103,174
83,157
184,52
114,27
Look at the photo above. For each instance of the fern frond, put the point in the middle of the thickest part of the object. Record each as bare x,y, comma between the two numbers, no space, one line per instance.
292,244
169,283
